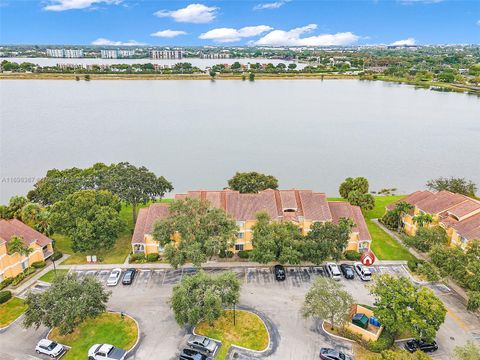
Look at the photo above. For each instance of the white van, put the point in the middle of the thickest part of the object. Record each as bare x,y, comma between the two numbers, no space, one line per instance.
362,271
333,271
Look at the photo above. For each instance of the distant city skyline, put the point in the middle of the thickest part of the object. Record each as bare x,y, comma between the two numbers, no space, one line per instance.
239,23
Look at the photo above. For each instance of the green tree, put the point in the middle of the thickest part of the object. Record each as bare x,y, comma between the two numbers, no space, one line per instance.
135,185
275,241
66,303
252,182
327,300
365,201
15,206
327,240
90,217
194,230
423,219
425,238
251,76
456,185
350,184
401,306
473,300
16,245
30,213
204,297
292,66
469,351
43,223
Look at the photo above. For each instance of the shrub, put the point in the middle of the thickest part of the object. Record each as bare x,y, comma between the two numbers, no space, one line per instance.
352,255
225,254
137,258
473,300
28,271
5,283
429,271
17,279
391,220
413,264
384,342
152,257
5,296
57,255
243,254
39,264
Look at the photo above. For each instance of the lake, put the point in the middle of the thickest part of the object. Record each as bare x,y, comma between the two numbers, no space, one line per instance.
310,134
200,63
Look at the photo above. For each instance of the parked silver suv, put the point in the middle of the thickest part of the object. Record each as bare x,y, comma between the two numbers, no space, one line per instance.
202,344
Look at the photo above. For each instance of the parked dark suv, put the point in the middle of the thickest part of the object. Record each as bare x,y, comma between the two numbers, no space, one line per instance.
347,271
128,276
414,345
279,271
190,354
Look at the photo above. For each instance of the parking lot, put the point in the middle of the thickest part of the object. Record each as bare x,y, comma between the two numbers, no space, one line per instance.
161,338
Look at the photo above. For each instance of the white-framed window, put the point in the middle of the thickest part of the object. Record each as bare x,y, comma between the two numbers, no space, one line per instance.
240,235
160,248
463,240
238,247
24,264
241,224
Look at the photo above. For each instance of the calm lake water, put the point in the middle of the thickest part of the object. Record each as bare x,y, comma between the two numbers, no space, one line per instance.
310,134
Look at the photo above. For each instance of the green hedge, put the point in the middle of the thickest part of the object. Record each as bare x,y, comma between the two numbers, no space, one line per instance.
152,257
134,258
352,255
5,296
39,264
57,255
243,254
5,283
384,342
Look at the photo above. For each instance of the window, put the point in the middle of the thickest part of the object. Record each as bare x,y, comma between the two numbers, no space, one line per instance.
240,224
24,264
160,248
238,247
240,235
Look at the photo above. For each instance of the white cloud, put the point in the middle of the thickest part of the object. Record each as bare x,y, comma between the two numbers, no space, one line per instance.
106,42
271,5
406,42
168,33
62,5
224,35
193,13
293,38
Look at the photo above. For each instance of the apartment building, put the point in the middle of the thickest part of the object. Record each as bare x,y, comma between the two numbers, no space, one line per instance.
116,53
166,54
458,214
65,53
13,264
302,207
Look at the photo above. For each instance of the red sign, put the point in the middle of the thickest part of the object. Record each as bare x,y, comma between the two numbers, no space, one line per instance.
367,258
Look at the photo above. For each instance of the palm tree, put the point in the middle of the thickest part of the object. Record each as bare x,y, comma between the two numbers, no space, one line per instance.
42,223
402,208
16,245
423,219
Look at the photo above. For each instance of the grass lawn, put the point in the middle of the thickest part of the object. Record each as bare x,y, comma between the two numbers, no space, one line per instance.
108,328
49,276
383,245
11,310
116,255
249,332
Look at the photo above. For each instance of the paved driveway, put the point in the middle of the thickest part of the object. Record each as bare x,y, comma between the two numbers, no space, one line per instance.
161,338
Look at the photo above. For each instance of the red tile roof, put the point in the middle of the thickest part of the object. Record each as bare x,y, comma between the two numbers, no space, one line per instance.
469,206
469,228
412,199
146,219
343,209
439,202
14,227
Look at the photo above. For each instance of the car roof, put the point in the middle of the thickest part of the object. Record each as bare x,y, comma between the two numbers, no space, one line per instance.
105,348
45,342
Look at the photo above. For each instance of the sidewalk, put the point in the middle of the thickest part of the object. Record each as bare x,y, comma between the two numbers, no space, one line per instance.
207,265
25,285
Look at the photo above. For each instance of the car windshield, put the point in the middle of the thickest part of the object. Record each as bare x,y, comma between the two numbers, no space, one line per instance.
341,356
205,342
52,345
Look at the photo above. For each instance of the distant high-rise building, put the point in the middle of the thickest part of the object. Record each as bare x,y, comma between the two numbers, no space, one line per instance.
213,55
116,53
166,54
65,53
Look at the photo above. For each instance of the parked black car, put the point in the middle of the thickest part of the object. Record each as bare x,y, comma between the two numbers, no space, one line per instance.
279,271
332,354
347,271
129,276
190,354
414,345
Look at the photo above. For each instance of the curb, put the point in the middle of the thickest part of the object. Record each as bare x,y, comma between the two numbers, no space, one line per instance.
5,328
336,336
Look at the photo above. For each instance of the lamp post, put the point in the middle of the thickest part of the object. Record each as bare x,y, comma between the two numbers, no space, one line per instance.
234,314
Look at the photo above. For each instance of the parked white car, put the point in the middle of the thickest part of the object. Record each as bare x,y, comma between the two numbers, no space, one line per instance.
333,271
114,277
362,271
106,352
50,348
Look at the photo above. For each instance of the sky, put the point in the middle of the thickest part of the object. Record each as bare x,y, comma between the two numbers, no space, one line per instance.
234,23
